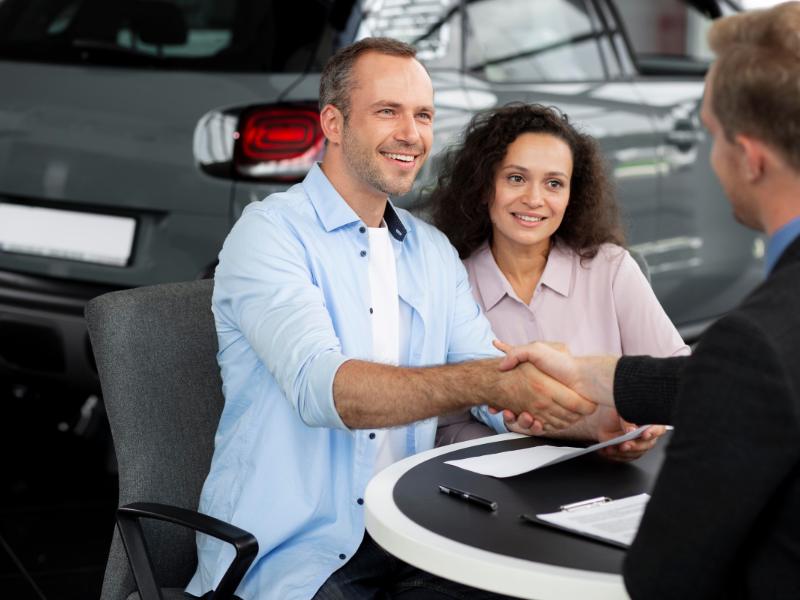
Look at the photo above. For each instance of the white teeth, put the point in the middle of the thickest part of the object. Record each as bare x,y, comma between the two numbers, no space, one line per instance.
529,219
403,157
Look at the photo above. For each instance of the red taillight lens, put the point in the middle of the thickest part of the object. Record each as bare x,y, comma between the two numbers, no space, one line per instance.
278,142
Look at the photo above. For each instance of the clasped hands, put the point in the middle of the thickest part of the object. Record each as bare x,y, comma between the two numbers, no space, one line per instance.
568,397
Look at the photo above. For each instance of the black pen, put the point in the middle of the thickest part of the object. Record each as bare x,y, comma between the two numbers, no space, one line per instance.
482,502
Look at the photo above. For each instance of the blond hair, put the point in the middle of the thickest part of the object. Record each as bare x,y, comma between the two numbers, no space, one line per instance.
756,77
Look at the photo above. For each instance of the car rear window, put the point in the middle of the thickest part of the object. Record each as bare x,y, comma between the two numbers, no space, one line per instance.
238,35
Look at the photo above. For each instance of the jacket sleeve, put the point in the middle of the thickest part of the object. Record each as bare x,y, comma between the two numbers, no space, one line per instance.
645,388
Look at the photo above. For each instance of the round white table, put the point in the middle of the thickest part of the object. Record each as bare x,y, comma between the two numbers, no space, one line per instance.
508,571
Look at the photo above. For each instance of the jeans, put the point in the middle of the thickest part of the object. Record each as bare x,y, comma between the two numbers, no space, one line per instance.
374,574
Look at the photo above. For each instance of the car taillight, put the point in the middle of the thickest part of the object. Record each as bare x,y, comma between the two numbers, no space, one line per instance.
279,142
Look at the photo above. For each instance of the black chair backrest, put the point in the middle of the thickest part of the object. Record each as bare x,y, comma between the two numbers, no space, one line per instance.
155,349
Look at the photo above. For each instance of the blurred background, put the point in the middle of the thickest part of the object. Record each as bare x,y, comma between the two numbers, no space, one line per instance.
134,132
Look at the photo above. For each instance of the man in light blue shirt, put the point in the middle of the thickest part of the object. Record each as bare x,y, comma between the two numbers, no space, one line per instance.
304,323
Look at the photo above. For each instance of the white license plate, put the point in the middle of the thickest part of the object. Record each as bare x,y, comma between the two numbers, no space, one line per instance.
87,237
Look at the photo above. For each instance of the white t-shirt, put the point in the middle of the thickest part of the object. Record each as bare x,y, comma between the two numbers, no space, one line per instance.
385,305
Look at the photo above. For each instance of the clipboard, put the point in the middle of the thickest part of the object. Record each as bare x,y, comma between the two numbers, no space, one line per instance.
584,505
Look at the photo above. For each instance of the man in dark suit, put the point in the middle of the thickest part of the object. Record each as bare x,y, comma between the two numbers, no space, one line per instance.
724,517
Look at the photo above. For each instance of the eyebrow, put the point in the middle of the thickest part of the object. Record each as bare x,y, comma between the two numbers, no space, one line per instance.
393,104
521,168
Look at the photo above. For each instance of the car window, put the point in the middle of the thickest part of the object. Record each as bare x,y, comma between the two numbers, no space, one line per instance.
433,27
519,40
209,34
668,36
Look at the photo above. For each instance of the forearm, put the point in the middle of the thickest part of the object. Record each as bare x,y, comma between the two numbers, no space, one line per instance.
373,395
369,394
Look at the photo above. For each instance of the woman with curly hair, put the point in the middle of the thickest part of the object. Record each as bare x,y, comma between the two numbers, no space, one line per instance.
527,203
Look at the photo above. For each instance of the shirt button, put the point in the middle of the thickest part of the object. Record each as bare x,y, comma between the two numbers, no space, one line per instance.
360,501
362,229
372,436
342,556
363,253
370,310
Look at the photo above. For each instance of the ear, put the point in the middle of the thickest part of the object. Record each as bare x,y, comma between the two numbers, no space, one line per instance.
331,120
753,157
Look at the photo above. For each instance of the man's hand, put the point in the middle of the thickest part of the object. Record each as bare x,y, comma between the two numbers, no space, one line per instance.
592,377
549,402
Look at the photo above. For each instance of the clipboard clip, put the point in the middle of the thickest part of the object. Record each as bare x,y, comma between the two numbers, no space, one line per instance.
584,503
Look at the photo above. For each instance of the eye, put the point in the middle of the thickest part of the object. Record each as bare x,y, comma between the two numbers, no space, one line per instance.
386,111
425,116
554,184
516,178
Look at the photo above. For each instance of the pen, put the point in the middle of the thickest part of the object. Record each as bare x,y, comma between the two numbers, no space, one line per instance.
482,502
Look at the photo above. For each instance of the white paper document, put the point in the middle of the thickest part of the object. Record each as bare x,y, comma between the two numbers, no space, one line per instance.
615,521
516,462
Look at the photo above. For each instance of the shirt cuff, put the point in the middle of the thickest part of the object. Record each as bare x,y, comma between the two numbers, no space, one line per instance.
317,407
495,421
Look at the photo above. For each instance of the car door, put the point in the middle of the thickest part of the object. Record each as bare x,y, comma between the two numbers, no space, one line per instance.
702,261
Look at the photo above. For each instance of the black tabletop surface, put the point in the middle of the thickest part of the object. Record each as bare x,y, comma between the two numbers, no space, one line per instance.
417,495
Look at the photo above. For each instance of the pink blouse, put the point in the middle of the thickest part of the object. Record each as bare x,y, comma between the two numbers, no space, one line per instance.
603,306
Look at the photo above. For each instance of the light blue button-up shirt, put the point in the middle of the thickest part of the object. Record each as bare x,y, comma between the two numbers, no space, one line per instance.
291,304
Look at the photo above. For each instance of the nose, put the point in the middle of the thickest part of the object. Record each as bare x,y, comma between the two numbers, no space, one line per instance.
407,130
532,196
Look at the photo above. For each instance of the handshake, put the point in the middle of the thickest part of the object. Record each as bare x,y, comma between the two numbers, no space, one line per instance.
552,393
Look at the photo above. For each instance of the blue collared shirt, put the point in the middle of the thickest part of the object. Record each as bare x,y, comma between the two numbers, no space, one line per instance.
779,241
291,304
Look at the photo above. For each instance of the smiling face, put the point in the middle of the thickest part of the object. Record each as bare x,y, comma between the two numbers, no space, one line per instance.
531,192
389,130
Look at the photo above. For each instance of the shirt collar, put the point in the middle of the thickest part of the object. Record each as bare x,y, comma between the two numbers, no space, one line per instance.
334,212
779,241
558,270
493,286
489,280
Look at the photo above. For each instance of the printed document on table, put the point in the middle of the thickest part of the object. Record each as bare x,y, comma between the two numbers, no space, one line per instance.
616,521
516,462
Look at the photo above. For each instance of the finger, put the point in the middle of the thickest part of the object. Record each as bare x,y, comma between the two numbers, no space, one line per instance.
642,446
525,420
537,428
655,431
509,362
557,420
502,346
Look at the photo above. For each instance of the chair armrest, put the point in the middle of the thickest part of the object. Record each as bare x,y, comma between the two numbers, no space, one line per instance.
130,529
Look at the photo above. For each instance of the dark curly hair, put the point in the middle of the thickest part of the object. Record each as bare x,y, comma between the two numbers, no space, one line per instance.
460,202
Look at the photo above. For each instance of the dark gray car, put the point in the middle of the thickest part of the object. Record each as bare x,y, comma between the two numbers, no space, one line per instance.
133,133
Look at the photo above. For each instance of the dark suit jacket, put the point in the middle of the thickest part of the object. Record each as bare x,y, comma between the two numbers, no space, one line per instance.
724,517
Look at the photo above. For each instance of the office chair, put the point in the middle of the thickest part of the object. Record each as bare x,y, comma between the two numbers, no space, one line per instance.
155,349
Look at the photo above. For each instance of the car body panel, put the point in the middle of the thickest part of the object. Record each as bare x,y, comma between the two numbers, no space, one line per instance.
158,145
